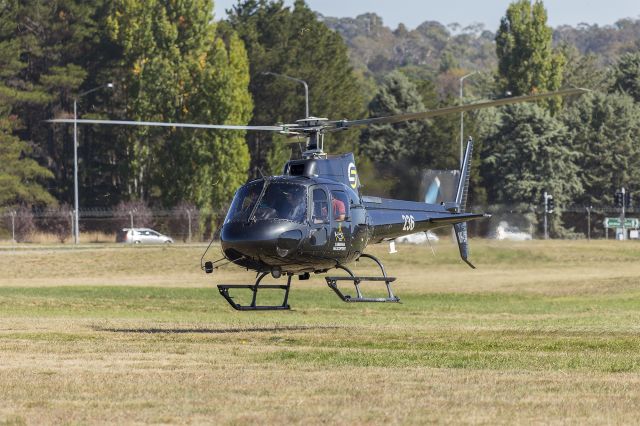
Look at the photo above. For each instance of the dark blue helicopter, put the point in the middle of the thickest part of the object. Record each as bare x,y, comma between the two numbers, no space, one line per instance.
313,218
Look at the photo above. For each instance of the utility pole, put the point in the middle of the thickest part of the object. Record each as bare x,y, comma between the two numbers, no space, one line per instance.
13,226
546,234
76,234
71,216
624,201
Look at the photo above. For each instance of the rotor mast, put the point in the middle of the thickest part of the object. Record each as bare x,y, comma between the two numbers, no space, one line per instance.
313,129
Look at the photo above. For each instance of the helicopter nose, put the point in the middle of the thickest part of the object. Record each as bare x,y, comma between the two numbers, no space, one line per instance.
288,241
259,239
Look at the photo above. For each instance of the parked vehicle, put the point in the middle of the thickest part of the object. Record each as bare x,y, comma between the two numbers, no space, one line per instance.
511,233
142,236
418,238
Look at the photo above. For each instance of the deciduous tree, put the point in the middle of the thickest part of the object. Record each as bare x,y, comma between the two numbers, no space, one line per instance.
527,62
176,67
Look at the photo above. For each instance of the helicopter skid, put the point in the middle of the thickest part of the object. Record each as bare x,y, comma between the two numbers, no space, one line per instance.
332,282
224,291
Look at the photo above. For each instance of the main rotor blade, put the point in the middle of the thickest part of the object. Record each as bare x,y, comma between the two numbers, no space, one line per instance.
339,125
161,124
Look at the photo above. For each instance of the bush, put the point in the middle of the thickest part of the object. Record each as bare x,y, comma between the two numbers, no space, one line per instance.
59,222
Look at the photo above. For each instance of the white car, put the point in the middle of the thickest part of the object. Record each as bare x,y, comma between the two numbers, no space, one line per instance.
511,233
142,236
418,238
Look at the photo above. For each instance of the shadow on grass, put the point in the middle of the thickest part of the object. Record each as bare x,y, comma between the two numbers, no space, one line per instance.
217,330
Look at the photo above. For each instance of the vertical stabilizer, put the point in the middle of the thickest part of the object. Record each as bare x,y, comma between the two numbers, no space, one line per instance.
465,174
461,200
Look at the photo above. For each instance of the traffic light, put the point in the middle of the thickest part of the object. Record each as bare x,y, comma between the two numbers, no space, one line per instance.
618,199
627,199
548,203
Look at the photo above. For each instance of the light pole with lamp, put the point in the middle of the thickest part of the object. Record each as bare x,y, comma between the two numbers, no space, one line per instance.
306,88
462,118
76,229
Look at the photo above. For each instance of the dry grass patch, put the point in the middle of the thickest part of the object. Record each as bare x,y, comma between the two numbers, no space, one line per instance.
542,332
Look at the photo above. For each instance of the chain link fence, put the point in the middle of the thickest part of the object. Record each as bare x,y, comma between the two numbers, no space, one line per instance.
97,225
184,225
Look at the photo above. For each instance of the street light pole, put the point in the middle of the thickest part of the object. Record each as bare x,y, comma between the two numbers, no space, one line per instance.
306,88
76,228
76,218
462,119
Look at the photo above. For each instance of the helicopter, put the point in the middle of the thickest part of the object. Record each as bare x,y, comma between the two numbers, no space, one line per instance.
313,218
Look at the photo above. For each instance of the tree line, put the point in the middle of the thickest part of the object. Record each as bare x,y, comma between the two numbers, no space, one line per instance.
170,61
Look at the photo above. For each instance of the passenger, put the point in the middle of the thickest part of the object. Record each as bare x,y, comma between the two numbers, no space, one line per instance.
339,210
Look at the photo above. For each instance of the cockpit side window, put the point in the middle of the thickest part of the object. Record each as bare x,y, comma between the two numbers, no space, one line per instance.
320,206
244,202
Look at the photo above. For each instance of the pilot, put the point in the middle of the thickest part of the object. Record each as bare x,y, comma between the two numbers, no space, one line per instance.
294,207
339,210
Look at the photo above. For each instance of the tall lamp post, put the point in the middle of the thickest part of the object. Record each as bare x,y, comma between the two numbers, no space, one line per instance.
306,88
76,218
462,118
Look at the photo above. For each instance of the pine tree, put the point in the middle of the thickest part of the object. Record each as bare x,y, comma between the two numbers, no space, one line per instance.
393,143
20,176
627,75
531,153
47,41
294,43
401,151
604,129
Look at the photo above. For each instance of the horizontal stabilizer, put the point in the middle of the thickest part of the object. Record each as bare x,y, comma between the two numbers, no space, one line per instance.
458,218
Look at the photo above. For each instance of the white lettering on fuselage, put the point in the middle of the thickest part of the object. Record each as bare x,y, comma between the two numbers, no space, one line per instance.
409,222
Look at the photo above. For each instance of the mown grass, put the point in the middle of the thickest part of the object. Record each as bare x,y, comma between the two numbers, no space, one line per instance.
542,332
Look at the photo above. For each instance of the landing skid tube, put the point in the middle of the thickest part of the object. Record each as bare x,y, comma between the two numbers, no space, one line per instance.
332,282
224,291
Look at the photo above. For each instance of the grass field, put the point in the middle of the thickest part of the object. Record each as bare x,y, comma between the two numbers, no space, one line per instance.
541,332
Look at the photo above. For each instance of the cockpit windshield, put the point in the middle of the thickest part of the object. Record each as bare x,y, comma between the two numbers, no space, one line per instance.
244,202
286,201
281,200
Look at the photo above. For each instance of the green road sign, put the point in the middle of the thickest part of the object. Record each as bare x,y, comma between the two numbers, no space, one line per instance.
614,222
